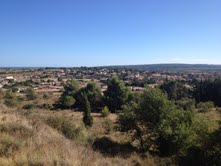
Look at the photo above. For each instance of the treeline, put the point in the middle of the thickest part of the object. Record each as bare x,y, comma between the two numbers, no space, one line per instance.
200,91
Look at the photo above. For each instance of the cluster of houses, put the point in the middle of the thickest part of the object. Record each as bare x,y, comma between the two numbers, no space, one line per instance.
51,80
7,80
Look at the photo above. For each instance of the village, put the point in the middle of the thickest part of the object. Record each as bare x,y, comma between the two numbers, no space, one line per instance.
51,80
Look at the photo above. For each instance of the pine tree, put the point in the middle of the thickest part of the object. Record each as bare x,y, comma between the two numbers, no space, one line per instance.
87,118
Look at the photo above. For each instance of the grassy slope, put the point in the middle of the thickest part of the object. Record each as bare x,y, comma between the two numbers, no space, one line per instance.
33,142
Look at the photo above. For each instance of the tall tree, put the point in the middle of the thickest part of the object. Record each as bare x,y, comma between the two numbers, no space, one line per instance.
67,98
94,96
116,95
176,90
87,118
208,90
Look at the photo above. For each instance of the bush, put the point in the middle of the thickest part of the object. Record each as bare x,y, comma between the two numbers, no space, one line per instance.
65,126
8,145
28,106
48,106
108,126
1,94
105,112
15,129
46,96
185,104
11,100
30,94
205,106
110,148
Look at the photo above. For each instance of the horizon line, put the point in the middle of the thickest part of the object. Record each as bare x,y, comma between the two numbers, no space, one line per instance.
2,67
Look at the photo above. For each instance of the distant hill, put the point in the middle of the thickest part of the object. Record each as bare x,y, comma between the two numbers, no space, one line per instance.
169,67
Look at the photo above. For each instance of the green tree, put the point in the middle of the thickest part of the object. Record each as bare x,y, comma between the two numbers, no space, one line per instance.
71,88
87,118
185,104
116,95
175,90
208,90
94,96
157,122
68,101
67,98
105,111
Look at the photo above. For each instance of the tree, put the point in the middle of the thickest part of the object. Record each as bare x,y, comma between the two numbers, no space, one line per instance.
94,96
71,88
175,90
87,118
67,98
208,90
185,104
68,101
157,122
105,111
116,95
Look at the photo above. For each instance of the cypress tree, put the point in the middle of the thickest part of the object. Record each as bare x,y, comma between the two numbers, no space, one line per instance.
87,118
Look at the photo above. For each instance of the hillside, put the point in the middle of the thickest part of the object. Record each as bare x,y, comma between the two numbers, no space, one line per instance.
171,67
28,139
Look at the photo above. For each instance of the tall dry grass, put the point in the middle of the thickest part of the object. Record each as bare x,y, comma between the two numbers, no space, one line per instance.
34,143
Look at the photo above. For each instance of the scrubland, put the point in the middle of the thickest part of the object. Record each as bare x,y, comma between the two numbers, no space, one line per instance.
27,138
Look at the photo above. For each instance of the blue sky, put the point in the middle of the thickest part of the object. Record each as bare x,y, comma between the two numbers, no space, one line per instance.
109,32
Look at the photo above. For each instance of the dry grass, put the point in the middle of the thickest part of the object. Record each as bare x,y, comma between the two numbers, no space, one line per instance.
34,143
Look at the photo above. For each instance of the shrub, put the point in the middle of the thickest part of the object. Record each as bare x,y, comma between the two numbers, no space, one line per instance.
105,111
48,106
108,126
1,94
30,94
205,106
15,129
8,145
11,100
28,106
65,126
45,96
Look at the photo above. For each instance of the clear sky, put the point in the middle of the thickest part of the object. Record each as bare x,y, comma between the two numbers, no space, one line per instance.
109,32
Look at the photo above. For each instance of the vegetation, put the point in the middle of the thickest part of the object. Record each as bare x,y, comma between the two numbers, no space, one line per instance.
11,100
8,145
157,124
116,95
175,90
30,94
105,112
87,118
63,125
174,123
208,90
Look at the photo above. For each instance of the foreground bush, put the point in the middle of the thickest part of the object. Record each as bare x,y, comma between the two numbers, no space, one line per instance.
65,126
11,100
108,125
8,145
15,129
205,106
28,106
